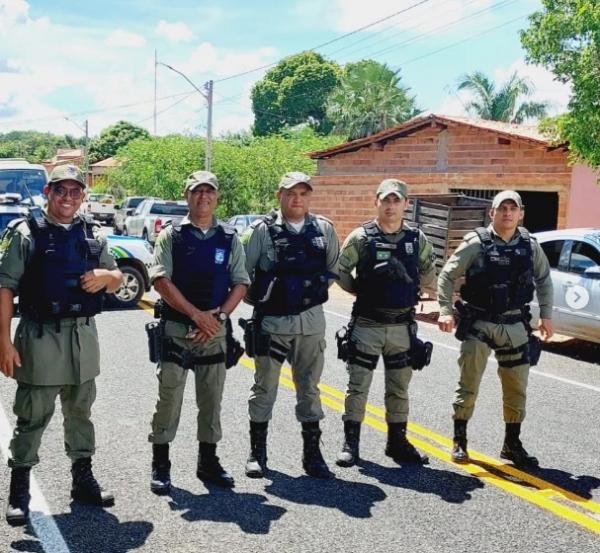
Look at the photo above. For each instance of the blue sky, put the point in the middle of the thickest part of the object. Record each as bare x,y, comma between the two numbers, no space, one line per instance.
62,62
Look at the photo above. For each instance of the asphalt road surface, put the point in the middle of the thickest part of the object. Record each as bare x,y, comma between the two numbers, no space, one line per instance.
378,506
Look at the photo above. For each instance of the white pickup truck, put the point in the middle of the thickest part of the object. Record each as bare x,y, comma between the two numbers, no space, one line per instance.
100,206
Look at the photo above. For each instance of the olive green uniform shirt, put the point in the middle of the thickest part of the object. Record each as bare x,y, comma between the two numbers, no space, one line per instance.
68,357
163,253
260,252
355,248
468,252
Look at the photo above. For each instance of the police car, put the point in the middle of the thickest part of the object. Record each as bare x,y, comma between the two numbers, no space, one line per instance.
133,255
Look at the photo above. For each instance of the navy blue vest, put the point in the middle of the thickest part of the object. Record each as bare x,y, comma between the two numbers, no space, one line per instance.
299,280
50,288
200,268
502,280
388,277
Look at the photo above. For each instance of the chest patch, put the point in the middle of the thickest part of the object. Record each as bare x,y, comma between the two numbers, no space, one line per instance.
383,255
409,248
219,256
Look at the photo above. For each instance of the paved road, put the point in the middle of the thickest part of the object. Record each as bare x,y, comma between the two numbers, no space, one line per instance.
375,507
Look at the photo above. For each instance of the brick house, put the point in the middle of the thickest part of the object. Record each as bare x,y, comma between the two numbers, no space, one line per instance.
443,154
98,173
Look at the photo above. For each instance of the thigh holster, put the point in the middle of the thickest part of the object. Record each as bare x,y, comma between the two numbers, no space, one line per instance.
397,361
357,357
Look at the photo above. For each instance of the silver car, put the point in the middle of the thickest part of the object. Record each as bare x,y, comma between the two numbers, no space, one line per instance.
124,210
574,256
150,216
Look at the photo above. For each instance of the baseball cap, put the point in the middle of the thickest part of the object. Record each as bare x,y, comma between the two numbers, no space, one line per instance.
506,195
201,177
67,172
392,186
289,180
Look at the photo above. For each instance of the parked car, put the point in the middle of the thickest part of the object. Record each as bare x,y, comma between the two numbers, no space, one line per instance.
18,176
240,222
150,216
100,206
574,256
124,210
134,256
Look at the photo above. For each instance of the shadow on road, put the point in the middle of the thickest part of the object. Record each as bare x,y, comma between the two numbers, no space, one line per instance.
575,349
450,486
333,494
249,511
92,529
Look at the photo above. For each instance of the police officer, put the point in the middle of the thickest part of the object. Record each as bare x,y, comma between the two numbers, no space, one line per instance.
503,265
291,257
59,265
201,277
391,261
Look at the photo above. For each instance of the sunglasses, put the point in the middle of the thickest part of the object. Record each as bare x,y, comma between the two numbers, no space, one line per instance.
73,193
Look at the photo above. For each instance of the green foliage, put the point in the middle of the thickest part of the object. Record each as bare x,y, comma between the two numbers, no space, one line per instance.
565,37
294,92
501,104
112,138
248,169
35,146
368,99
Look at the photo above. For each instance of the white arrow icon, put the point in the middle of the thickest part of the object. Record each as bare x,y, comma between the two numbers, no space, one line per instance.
577,297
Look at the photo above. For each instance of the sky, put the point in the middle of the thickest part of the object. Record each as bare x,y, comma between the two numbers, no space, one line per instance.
63,63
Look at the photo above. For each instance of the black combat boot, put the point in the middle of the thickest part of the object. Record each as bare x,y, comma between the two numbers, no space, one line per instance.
160,483
85,487
459,449
513,449
17,511
399,448
256,465
348,457
312,459
209,469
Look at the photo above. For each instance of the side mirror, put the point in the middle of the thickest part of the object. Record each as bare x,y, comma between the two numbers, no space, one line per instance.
592,272
129,211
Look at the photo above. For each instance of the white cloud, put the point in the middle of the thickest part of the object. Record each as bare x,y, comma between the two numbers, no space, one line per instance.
174,32
13,12
125,39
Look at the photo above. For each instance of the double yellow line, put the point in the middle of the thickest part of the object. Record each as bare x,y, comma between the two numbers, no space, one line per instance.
534,490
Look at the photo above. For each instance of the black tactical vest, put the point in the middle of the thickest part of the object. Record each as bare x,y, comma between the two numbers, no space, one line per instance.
200,268
299,278
50,288
389,275
502,279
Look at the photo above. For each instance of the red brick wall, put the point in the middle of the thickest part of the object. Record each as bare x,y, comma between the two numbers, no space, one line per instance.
432,162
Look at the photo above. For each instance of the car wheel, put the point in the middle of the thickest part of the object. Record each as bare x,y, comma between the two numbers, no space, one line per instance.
144,234
131,290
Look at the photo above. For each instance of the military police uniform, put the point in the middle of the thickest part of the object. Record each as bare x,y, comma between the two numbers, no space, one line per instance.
390,269
291,271
500,281
204,266
42,261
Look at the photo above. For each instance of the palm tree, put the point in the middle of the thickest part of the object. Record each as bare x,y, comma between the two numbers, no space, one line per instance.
503,104
368,99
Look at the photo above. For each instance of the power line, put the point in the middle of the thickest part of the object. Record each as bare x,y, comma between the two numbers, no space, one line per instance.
165,109
241,74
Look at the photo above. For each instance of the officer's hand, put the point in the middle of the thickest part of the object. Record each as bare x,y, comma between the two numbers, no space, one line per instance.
9,359
446,323
198,336
93,281
206,322
546,329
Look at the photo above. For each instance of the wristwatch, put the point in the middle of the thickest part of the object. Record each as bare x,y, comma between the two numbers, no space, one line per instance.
222,316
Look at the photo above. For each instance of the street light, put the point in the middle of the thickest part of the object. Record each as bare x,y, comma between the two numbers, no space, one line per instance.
87,149
208,96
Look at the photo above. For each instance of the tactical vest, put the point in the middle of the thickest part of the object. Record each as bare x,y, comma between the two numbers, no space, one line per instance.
389,275
200,268
501,280
50,288
299,279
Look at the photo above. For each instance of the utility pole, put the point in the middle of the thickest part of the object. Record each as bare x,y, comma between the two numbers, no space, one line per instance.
209,99
208,96
155,85
87,151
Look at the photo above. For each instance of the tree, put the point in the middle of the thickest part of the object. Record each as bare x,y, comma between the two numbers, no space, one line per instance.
501,104
35,146
294,92
368,99
565,37
112,138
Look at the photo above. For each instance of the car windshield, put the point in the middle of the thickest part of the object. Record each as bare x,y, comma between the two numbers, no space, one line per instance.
169,209
134,202
102,198
22,181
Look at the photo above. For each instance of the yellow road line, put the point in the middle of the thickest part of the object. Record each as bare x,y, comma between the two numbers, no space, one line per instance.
544,496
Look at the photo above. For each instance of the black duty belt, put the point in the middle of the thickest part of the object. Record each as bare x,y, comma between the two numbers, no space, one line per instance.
385,318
